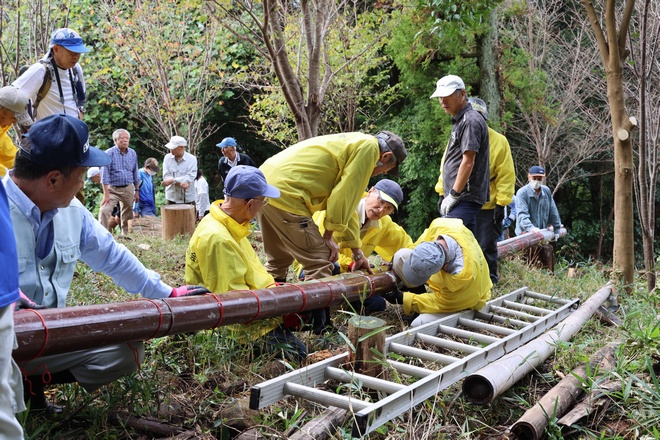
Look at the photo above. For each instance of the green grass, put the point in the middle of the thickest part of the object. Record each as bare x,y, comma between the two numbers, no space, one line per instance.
191,380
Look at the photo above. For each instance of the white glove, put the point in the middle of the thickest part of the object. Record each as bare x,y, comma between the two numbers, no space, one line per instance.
447,204
535,230
556,237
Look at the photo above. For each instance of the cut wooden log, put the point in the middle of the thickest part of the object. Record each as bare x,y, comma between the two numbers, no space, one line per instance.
596,398
141,424
177,220
531,426
369,344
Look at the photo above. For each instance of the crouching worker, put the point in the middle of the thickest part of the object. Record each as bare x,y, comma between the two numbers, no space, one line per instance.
449,260
53,231
221,258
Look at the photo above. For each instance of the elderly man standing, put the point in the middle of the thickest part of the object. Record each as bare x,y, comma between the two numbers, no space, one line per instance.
53,231
179,172
230,157
121,183
502,191
536,209
323,173
448,257
56,84
464,179
13,108
221,258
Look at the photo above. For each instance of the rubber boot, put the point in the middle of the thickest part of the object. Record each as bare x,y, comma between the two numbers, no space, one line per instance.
33,392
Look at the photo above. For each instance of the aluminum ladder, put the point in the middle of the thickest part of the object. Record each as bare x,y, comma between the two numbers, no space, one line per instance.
481,337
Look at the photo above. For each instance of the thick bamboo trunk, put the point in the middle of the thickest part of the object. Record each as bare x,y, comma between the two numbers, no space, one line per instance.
369,344
555,403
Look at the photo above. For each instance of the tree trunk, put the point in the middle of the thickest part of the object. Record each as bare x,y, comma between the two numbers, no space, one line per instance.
177,219
489,81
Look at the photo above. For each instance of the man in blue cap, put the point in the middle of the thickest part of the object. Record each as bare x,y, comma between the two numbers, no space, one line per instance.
230,157
221,258
53,230
536,209
56,84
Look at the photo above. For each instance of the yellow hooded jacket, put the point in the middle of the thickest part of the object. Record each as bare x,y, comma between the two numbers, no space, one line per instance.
469,289
221,258
324,173
502,172
7,151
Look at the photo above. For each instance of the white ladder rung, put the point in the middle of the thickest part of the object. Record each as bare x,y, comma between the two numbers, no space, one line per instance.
504,320
447,344
548,298
527,308
372,383
470,323
426,355
325,397
466,334
410,370
508,312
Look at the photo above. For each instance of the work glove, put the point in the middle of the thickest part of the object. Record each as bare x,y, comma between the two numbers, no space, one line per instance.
188,291
394,297
506,222
447,204
498,215
556,237
440,203
533,230
26,303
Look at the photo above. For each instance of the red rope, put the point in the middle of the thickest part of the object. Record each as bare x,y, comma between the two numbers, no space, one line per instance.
258,307
304,295
136,355
160,317
221,309
332,292
43,322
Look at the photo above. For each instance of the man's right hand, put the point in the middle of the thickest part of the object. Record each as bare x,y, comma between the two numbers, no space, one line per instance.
106,199
334,249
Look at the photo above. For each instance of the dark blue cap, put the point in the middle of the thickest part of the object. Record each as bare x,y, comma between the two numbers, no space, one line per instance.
61,141
246,182
536,171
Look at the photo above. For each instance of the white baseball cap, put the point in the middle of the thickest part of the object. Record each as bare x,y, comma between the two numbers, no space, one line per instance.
448,85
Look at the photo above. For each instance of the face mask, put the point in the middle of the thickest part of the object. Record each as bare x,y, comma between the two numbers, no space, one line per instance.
535,184
151,173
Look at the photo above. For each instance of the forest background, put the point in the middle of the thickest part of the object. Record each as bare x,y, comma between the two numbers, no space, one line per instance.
271,73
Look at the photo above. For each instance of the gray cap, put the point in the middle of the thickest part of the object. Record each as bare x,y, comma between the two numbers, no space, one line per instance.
395,144
480,106
415,267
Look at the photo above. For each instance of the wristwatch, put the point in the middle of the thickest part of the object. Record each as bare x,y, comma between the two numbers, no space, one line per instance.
358,255
454,193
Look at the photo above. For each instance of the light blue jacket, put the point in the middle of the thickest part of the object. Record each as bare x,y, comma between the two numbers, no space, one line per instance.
50,244
535,210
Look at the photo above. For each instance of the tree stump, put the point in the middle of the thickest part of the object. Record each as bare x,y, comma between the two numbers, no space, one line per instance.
177,220
366,360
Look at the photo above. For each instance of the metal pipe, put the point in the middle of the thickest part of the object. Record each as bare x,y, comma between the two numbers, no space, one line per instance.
61,330
495,378
516,244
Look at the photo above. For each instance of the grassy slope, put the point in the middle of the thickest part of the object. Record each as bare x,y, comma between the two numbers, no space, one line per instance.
191,380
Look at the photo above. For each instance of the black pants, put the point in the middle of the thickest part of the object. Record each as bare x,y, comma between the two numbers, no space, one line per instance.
487,232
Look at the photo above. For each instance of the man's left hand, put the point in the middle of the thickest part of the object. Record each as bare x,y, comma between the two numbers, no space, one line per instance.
447,204
188,291
26,303
498,215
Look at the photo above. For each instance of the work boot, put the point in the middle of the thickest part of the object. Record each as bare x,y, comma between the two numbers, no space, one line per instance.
35,398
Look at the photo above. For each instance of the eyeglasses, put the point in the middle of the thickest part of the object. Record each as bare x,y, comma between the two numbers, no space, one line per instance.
385,205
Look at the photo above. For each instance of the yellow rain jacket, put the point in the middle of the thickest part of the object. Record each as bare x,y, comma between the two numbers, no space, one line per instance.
502,172
7,151
383,237
469,289
220,258
325,173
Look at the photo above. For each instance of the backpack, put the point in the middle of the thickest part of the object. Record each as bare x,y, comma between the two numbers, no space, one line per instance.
75,76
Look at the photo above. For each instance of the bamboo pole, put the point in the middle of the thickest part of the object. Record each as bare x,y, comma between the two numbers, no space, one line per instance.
555,403
516,244
495,378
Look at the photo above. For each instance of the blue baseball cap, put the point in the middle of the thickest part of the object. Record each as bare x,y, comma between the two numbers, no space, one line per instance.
390,191
415,267
69,39
61,141
246,182
227,142
536,171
